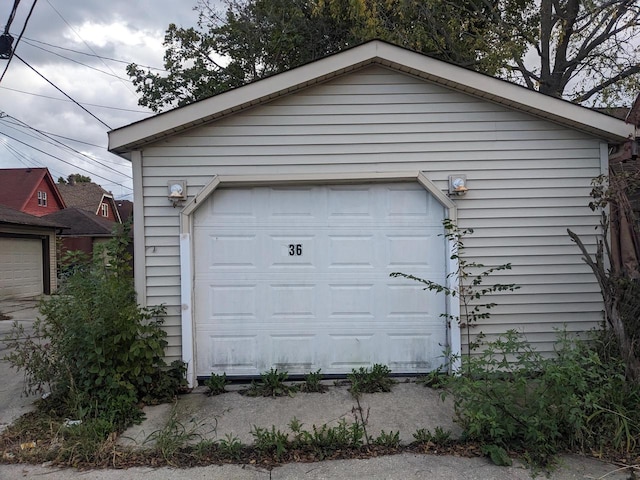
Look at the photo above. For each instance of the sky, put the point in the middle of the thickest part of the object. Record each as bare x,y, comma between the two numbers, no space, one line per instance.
63,41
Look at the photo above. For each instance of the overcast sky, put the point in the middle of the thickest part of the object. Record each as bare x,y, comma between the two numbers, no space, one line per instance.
125,30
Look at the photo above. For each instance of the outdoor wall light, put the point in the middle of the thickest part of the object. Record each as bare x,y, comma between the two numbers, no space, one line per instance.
457,185
177,191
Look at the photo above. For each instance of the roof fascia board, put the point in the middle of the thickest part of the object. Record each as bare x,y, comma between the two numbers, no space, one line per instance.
452,76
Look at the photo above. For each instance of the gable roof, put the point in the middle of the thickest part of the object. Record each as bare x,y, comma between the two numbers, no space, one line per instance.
82,223
374,52
10,216
18,185
87,196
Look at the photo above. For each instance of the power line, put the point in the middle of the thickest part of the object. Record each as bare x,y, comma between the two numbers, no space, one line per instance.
24,27
59,143
79,63
12,15
89,47
64,161
60,90
82,103
125,62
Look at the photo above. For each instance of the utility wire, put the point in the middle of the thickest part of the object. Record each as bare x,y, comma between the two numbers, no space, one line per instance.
53,141
88,46
28,41
12,15
60,90
111,74
64,161
82,103
24,27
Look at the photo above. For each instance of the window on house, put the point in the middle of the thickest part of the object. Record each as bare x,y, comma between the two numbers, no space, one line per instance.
42,199
105,209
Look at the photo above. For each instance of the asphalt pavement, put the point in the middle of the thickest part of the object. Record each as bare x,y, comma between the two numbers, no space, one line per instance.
406,409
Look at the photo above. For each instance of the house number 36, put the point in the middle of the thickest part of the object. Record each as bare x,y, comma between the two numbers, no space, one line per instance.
295,250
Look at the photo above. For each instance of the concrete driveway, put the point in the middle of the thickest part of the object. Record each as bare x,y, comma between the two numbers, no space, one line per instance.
13,403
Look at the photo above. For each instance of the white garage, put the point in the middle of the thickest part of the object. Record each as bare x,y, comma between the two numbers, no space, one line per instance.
269,217
297,277
21,264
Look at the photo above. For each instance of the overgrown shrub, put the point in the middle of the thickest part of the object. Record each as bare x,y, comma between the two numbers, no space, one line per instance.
93,347
513,398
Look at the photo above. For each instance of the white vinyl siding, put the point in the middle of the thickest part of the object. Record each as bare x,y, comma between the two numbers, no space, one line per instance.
529,181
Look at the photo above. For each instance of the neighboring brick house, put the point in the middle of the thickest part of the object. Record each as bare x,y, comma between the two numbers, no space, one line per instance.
30,190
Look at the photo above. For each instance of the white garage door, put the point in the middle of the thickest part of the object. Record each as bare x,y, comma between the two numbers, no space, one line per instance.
297,278
20,267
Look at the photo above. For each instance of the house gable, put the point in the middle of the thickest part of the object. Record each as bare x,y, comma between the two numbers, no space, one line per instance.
30,190
91,197
375,52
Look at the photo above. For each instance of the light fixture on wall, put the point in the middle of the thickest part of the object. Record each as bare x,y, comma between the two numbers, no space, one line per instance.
457,184
177,191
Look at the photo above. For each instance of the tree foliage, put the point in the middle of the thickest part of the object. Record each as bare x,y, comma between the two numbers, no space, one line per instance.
74,178
584,50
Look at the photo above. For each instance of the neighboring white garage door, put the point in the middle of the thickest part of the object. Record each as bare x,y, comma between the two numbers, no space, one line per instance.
298,278
20,267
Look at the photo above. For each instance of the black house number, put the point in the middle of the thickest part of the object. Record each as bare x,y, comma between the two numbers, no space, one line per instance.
295,250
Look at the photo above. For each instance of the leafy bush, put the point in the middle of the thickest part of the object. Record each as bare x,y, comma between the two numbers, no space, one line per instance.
93,347
513,398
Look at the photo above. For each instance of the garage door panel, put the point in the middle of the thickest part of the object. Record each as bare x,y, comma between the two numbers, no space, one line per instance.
292,250
292,204
237,301
292,301
352,300
351,251
345,203
291,352
304,284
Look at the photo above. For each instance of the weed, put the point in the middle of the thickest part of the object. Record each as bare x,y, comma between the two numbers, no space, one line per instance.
375,380
440,436
272,384
204,448
216,384
391,439
272,442
313,383
173,437
231,446
513,398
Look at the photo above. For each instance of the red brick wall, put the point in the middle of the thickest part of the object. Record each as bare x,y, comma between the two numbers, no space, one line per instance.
32,206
